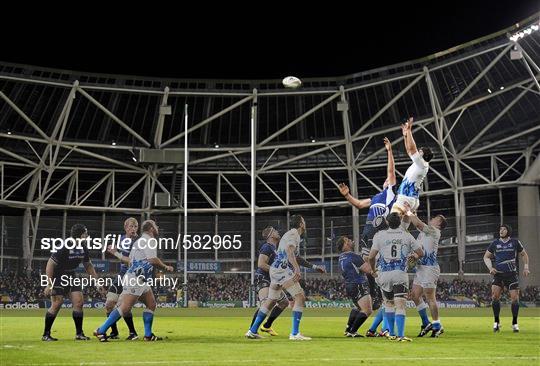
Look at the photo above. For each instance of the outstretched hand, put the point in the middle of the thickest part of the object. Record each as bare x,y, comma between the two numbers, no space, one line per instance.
387,144
343,189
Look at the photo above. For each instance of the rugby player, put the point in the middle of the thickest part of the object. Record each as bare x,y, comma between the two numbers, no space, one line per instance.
505,274
143,258
285,274
353,269
411,185
62,265
427,271
131,225
395,245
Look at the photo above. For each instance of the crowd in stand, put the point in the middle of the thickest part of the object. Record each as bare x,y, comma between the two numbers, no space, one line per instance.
204,287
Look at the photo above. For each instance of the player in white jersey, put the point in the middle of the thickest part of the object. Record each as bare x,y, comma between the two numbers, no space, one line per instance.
285,274
427,271
395,246
143,258
411,185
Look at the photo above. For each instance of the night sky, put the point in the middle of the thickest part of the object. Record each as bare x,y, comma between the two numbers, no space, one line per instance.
332,40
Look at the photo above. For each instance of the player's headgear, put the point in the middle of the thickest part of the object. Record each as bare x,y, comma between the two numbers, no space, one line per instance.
267,232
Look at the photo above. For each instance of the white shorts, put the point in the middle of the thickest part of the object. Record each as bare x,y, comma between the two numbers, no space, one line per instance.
401,199
427,276
134,287
389,279
278,276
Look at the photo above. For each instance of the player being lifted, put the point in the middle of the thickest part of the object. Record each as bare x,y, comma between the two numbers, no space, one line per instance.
285,274
143,258
504,251
411,185
130,226
379,206
427,271
267,254
353,268
395,245
63,263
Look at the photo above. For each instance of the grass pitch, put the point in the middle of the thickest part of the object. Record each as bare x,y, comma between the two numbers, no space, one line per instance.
215,337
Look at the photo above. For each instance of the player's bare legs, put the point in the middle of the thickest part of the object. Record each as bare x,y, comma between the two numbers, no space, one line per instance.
366,308
50,316
421,307
293,287
149,300
269,303
514,296
77,300
496,305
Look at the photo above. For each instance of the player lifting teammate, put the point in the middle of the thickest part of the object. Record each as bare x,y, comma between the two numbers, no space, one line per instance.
395,245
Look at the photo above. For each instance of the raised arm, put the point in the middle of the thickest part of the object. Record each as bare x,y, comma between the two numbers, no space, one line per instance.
410,145
360,204
390,169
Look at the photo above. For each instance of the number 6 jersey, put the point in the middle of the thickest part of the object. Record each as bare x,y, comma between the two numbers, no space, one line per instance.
394,245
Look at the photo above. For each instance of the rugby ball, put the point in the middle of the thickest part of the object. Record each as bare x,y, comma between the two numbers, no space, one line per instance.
291,82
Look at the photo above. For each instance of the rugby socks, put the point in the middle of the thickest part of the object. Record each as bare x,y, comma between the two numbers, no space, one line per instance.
261,315
436,324
400,322
49,320
515,311
360,319
128,318
78,320
113,318
148,319
496,305
352,317
276,311
114,328
296,317
389,315
377,320
422,311
254,317
384,326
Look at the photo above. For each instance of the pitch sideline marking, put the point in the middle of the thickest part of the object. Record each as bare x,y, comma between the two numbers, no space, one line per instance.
180,362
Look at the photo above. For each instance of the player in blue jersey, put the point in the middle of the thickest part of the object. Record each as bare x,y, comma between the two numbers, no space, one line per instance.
505,273
395,246
143,258
427,271
379,207
61,277
411,185
267,254
131,225
353,270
